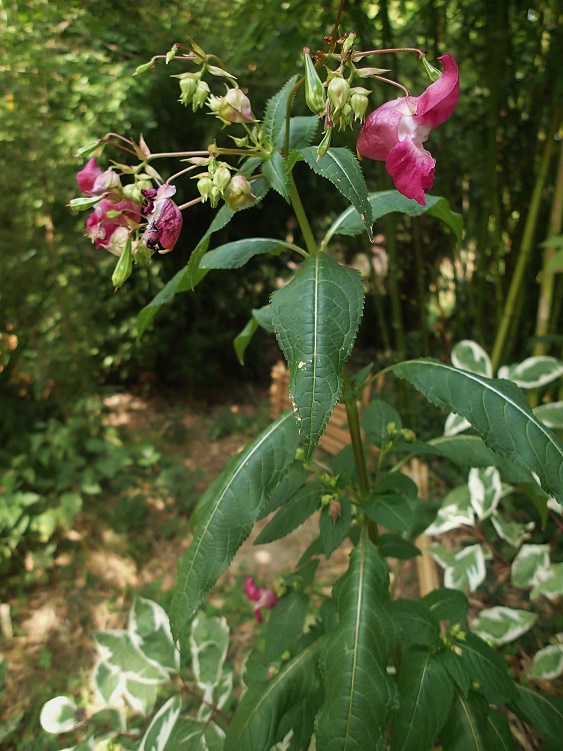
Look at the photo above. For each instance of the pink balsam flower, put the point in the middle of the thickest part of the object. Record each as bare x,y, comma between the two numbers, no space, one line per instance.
164,219
100,227
94,182
264,598
395,132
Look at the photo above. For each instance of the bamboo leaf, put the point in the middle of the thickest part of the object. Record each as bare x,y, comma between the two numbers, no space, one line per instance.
342,168
316,318
228,512
498,411
262,708
359,694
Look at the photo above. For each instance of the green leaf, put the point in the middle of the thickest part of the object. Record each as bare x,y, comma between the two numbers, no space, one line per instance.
417,624
316,318
394,546
358,692
228,513
498,734
342,168
285,489
236,254
542,711
488,668
276,110
84,203
447,605
242,340
499,412
292,514
275,173
333,533
466,727
388,201
302,130
425,697
263,706
285,624
376,419
391,510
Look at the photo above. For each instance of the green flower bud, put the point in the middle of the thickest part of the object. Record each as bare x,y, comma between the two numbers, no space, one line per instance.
348,43
239,193
222,178
433,73
200,95
338,93
324,144
235,108
188,86
359,102
205,186
124,266
314,90
133,192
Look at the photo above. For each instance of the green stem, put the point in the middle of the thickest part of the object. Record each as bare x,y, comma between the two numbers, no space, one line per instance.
301,217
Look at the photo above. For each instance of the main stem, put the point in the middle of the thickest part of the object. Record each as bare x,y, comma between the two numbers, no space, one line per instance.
301,217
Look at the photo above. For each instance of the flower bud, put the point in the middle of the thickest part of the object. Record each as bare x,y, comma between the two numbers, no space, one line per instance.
348,43
235,108
222,178
200,95
239,193
324,145
359,102
335,510
124,265
433,73
188,86
338,92
205,186
314,89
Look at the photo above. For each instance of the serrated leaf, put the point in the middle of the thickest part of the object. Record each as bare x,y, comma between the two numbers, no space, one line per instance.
358,692
501,625
376,419
275,173
499,412
416,623
285,624
292,514
316,319
447,605
388,201
466,726
342,168
533,372
285,489
263,706
540,710
227,516
487,668
425,697
302,130
276,110
236,254
498,733
391,510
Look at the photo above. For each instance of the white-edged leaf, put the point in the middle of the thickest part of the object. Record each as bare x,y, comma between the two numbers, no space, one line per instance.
149,628
456,510
547,663
485,488
107,682
501,625
550,414
120,652
550,583
209,642
158,732
455,424
468,355
510,531
141,696
530,564
464,569
533,372
59,715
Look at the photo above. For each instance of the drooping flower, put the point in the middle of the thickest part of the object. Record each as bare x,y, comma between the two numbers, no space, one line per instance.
100,227
264,598
395,132
94,182
164,220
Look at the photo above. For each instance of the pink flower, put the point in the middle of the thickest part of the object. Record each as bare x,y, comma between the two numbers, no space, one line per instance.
395,132
100,227
93,181
164,220
264,598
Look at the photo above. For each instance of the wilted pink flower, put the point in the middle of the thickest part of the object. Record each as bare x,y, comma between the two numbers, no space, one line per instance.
264,598
165,220
100,227
93,181
395,132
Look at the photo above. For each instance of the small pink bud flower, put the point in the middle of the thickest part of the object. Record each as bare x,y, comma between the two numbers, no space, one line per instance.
235,108
239,193
264,598
87,176
395,132
164,220
335,510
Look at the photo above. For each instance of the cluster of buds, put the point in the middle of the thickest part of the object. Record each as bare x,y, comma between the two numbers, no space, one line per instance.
217,182
194,90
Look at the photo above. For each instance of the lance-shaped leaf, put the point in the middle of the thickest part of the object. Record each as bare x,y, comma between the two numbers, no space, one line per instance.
425,697
275,173
316,318
498,411
540,710
466,728
236,254
343,170
387,201
262,708
228,513
358,692
276,110
499,734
